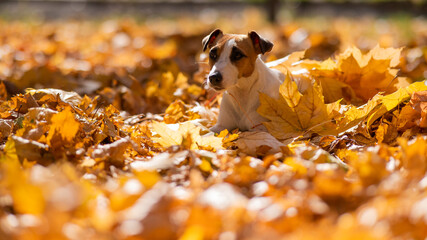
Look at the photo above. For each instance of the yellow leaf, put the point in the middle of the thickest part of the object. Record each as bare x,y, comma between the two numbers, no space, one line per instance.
391,101
147,178
211,142
9,152
290,92
195,90
355,76
391,54
248,142
205,166
63,125
369,73
175,112
283,64
294,113
193,232
181,81
174,134
9,162
414,157
381,132
28,198
168,136
296,165
102,217
354,115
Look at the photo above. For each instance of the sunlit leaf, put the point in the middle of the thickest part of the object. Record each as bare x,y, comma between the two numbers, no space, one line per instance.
295,113
63,125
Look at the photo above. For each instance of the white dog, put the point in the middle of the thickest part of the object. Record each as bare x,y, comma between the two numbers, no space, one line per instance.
237,68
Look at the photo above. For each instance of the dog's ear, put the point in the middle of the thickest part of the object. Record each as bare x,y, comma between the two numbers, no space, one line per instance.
211,38
261,45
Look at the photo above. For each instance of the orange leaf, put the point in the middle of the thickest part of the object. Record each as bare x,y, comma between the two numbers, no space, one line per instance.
63,125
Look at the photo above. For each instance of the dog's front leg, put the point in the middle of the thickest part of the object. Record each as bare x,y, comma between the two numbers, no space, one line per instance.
226,117
217,128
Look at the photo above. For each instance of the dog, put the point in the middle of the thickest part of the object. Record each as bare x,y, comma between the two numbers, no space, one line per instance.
238,71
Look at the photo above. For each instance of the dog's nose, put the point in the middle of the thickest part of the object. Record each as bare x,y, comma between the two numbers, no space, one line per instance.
215,78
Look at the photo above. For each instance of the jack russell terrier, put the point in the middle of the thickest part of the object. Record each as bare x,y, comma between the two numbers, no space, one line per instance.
237,68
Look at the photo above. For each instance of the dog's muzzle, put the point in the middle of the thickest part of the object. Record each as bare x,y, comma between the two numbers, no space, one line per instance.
215,80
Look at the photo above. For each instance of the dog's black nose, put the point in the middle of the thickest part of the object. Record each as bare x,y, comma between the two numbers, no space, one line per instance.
215,78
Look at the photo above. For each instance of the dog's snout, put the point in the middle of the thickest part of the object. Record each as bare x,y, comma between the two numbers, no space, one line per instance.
215,78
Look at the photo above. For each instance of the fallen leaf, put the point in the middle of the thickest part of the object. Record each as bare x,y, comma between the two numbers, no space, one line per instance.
64,126
248,142
71,98
113,153
355,75
389,102
295,113
32,150
174,134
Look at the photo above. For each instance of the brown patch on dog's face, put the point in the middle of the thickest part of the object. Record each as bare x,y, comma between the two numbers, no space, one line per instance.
217,49
242,55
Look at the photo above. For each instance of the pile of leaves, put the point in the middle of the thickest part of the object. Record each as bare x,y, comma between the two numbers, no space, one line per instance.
111,140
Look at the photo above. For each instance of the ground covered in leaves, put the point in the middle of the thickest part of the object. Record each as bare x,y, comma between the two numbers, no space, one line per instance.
104,132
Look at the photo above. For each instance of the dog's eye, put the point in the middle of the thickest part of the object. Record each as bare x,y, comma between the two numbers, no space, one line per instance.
213,55
236,56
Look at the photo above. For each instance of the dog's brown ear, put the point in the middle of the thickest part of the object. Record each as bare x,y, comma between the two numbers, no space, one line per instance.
211,38
261,45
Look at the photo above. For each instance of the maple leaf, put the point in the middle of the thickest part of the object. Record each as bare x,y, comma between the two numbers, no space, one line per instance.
327,74
419,103
376,108
63,125
355,115
369,73
176,134
283,64
388,102
415,113
122,183
414,155
295,113
355,76
249,142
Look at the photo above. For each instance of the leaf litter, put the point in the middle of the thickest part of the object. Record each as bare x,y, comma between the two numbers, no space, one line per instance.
111,140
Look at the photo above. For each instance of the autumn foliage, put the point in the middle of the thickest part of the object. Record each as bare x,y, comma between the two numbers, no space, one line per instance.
104,134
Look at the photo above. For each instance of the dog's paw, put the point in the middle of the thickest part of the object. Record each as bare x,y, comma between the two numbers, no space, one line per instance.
217,128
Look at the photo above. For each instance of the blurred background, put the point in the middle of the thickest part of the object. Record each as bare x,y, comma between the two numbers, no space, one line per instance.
93,46
276,10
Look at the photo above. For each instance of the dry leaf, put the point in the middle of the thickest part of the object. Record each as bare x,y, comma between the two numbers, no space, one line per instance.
85,167
175,134
295,113
64,127
249,142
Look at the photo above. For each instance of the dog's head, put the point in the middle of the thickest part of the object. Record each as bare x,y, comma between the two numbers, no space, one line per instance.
232,57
